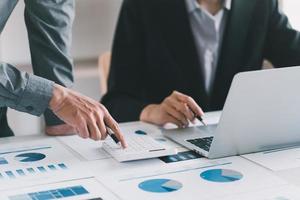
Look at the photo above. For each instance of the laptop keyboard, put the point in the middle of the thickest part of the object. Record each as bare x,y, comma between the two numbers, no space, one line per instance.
202,143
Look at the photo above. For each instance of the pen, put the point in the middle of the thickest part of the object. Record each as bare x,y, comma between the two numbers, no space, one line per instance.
201,120
198,117
112,135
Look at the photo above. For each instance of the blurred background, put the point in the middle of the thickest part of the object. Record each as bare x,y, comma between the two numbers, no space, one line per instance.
92,36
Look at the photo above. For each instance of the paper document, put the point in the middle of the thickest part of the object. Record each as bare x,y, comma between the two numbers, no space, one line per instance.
211,180
287,192
277,159
37,162
87,189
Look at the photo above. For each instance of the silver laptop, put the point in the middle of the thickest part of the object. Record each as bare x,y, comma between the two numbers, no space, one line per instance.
261,112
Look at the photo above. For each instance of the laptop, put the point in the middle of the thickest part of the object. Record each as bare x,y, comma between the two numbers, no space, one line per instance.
261,112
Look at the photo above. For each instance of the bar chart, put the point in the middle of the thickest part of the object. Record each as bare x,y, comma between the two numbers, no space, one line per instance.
12,174
52,194
86,188
36,162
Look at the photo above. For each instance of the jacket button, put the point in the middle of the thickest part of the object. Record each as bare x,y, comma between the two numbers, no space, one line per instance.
29,108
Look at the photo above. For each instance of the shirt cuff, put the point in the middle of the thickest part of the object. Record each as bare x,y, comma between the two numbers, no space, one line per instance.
36,96
51,119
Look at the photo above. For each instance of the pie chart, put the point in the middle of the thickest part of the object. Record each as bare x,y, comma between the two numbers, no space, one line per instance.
160,185
221,175
30,157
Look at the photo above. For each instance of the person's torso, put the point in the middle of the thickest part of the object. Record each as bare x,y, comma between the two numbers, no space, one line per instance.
171,59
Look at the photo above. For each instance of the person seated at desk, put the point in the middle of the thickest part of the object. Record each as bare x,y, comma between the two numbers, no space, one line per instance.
174,59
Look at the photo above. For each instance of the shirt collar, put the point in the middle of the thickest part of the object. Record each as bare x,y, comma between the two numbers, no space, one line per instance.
193,5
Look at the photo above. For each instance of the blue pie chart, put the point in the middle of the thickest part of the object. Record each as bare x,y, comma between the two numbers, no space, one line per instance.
160,185
30,157
221,175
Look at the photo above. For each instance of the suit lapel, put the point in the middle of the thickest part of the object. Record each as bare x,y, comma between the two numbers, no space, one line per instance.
232,46
176,29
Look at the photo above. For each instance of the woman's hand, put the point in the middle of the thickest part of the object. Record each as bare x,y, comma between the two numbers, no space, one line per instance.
178,108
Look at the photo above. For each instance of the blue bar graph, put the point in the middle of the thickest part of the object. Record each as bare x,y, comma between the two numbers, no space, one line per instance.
79,190
30,170
20,172
52,167
63,166
66,192
42,169
10,174
52,194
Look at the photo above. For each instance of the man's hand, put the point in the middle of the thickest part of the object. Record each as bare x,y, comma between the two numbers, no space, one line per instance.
178,108
88,117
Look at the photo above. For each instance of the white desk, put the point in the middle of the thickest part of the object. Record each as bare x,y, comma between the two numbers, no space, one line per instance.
91,173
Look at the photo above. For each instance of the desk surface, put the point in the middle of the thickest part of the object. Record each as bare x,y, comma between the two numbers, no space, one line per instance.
41,168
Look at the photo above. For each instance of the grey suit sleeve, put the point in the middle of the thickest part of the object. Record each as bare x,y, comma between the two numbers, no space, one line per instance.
49,25
24,92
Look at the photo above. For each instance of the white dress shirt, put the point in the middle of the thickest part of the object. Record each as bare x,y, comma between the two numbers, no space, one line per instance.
208,32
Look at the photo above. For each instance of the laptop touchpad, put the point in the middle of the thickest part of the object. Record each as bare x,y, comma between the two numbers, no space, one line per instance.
209,129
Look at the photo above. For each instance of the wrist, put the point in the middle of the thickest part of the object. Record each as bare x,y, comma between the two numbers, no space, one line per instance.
58,95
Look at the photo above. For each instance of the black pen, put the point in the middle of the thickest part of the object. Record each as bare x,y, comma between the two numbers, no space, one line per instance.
201,120
112,135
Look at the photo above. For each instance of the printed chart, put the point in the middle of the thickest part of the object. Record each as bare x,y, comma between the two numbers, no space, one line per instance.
210,180
160,185
13,174
30,157
181,156
221,175
36,162
88,189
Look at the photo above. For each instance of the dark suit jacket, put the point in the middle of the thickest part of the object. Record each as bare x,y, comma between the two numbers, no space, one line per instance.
154,53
